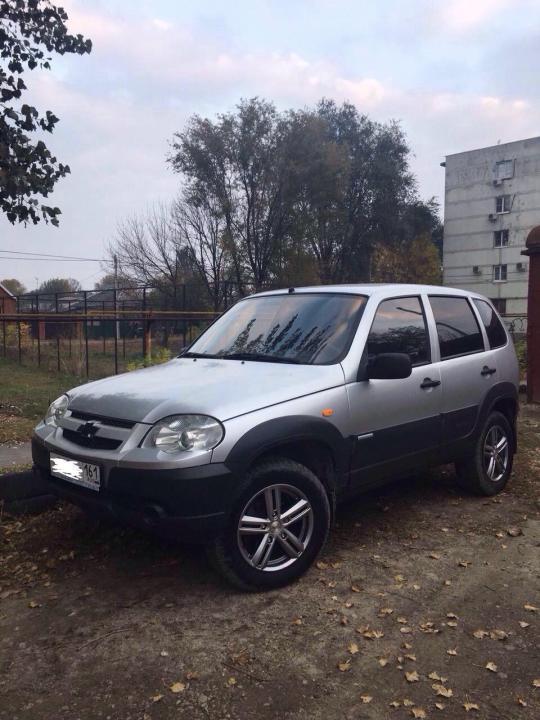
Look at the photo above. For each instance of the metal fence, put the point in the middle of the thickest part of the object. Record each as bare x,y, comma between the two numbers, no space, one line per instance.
93,333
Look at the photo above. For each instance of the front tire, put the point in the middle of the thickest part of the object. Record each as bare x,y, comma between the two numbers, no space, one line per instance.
278,528
487,471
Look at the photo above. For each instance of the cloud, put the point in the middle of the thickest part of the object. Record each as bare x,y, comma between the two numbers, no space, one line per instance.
465,15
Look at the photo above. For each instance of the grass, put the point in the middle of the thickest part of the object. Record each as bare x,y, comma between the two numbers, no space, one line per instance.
25,393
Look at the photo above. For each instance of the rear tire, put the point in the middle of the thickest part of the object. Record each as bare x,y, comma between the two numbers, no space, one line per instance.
278,528
488,469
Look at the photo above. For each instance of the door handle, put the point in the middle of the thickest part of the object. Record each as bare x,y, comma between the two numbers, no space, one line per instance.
429,383
487,370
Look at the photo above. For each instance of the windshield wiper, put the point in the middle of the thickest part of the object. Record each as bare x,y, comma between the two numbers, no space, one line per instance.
259,357
198,355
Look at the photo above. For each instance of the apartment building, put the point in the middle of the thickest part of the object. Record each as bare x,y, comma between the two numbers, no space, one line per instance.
492,202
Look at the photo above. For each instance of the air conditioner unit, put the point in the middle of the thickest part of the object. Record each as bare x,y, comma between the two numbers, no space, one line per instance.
476,270
521,267
492,217
497,182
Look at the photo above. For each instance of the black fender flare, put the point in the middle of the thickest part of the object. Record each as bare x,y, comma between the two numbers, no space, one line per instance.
272,434
500,391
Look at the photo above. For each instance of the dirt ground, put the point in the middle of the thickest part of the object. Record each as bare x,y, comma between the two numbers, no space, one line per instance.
425,603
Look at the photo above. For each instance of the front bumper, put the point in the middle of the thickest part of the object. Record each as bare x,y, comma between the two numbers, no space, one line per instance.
191,503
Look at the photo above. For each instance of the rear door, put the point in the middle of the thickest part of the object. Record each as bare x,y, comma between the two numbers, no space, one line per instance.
396,423
465,372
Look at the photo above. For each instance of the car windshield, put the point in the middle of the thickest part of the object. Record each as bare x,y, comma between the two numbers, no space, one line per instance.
308,328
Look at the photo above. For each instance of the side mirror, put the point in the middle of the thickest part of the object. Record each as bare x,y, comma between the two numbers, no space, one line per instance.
389,366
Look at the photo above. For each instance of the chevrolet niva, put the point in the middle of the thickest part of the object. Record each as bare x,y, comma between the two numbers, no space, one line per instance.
287,405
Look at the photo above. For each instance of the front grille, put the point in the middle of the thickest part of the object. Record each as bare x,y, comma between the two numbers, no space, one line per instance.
112,422
97,442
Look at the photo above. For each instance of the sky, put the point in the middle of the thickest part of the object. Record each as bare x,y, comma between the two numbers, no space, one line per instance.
457,74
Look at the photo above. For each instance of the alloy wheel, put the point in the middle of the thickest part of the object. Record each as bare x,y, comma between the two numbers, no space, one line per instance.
275,527
496,453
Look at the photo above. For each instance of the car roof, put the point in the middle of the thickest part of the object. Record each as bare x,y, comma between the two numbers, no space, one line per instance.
380,290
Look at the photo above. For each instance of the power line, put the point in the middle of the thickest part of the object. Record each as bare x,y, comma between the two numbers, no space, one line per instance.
47,259
48,255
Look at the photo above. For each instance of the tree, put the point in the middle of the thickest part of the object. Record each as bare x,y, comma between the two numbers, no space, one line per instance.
60,286
108,282
415,261
240,162
29,31
202,234
14,286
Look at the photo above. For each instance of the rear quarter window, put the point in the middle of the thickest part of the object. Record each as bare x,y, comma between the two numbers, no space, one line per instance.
494,327
457,328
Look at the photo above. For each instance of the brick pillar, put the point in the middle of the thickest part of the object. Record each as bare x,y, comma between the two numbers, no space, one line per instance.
533,316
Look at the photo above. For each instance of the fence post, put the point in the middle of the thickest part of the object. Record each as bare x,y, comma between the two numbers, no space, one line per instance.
19,333
85,327
115,334
144,348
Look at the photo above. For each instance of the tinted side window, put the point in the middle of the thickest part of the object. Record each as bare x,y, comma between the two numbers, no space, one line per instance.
399,326
457,327
494,329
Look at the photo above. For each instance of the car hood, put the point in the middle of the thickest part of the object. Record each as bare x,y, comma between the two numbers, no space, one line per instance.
221,388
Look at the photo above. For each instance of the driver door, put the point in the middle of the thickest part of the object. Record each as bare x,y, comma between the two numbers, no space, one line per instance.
397,423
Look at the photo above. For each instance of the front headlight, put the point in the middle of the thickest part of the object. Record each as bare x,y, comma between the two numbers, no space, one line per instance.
181,433
57,409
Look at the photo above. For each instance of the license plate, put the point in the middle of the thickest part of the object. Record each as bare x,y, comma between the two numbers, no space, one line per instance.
76,471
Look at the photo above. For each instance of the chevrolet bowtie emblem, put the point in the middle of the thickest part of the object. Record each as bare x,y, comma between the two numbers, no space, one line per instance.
87,430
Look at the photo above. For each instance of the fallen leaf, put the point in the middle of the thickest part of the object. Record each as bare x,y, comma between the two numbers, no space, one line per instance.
530,608
164,653
451,651
523,624
402,620
395,704
385,611
383,662
366,698
514,531
470,706
33,604
435,676
480,634
418,712
411,657
355,588
416,586
452,616
192,675
443,691
336,565
452,623
349,604
177,687
498,635
344,665
399,578
322,565
440,706
373,634
297,621
412,676
464,563
521,701
156,698
536,682
405,630
435,556
408,703
491,666
231,681
353,648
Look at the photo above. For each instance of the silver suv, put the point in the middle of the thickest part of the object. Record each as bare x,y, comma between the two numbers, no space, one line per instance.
290,403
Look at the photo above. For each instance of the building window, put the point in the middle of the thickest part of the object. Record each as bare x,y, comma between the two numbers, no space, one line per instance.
503,203
499,273
504,170
500,238
500,305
